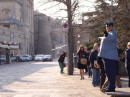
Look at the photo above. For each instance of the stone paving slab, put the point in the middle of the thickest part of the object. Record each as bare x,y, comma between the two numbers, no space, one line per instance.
38,79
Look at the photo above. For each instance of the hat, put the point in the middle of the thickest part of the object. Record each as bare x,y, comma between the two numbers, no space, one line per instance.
109,23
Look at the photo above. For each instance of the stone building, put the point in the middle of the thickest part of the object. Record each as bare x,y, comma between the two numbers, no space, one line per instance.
16,25
42,29
49,34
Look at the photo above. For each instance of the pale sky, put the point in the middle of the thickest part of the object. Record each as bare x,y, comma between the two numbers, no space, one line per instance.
56,10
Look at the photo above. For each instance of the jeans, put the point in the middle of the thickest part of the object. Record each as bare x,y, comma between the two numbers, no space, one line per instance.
61,67
95,74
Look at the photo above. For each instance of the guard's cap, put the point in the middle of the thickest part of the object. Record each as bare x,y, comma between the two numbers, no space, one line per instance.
109,23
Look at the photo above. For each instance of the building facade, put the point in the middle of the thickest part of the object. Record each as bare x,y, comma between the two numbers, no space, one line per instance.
42,29
49,34
16,25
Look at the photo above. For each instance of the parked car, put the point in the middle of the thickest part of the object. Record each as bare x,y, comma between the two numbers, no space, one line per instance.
47,58
14,58
24,58
3,59
27,57
39,57
20,58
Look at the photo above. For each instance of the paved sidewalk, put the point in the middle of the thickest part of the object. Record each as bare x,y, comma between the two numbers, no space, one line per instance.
48,82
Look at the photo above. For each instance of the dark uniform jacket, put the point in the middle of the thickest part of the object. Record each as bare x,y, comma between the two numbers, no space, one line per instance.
127,60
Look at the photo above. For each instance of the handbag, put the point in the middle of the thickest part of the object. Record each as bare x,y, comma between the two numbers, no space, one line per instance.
83,61
96,65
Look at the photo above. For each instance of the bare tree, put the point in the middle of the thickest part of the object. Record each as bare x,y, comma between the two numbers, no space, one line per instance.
71,6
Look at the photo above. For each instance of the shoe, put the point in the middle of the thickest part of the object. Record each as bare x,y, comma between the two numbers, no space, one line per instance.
110,90
102,90
62,72
94,85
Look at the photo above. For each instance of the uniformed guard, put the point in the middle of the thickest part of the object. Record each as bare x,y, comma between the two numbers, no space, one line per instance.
108,51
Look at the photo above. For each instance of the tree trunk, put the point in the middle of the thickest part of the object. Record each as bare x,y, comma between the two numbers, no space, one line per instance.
70,39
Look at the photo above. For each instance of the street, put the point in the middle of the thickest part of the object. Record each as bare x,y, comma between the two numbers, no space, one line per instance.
42,79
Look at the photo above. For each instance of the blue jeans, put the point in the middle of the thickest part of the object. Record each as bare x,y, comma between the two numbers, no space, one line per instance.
95,75
110,69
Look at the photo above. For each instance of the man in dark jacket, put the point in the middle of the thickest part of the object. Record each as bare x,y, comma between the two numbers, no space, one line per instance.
61,62
128,61
88,61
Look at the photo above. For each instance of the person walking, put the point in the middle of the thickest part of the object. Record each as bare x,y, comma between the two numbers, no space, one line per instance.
61,62
108,51
102,72
118,82
82,61
127,62
88,63
94,65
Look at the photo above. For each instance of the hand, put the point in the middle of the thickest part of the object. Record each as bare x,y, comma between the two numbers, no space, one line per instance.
105,33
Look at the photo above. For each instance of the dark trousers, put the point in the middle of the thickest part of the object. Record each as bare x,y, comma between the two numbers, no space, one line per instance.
110,69
102,76
128,69
86,69
89,71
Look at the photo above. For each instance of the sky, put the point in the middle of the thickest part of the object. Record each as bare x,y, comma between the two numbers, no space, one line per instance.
56,10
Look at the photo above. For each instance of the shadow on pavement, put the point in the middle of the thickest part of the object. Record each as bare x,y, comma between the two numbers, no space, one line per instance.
10,73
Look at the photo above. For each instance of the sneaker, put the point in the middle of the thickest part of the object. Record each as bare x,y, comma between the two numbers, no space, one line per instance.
113,90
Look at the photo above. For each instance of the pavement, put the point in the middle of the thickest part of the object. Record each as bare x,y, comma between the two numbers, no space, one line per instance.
42,79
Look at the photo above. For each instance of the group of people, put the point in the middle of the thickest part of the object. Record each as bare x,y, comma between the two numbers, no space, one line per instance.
102,62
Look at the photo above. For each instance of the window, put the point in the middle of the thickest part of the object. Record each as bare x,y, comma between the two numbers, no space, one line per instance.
5,14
